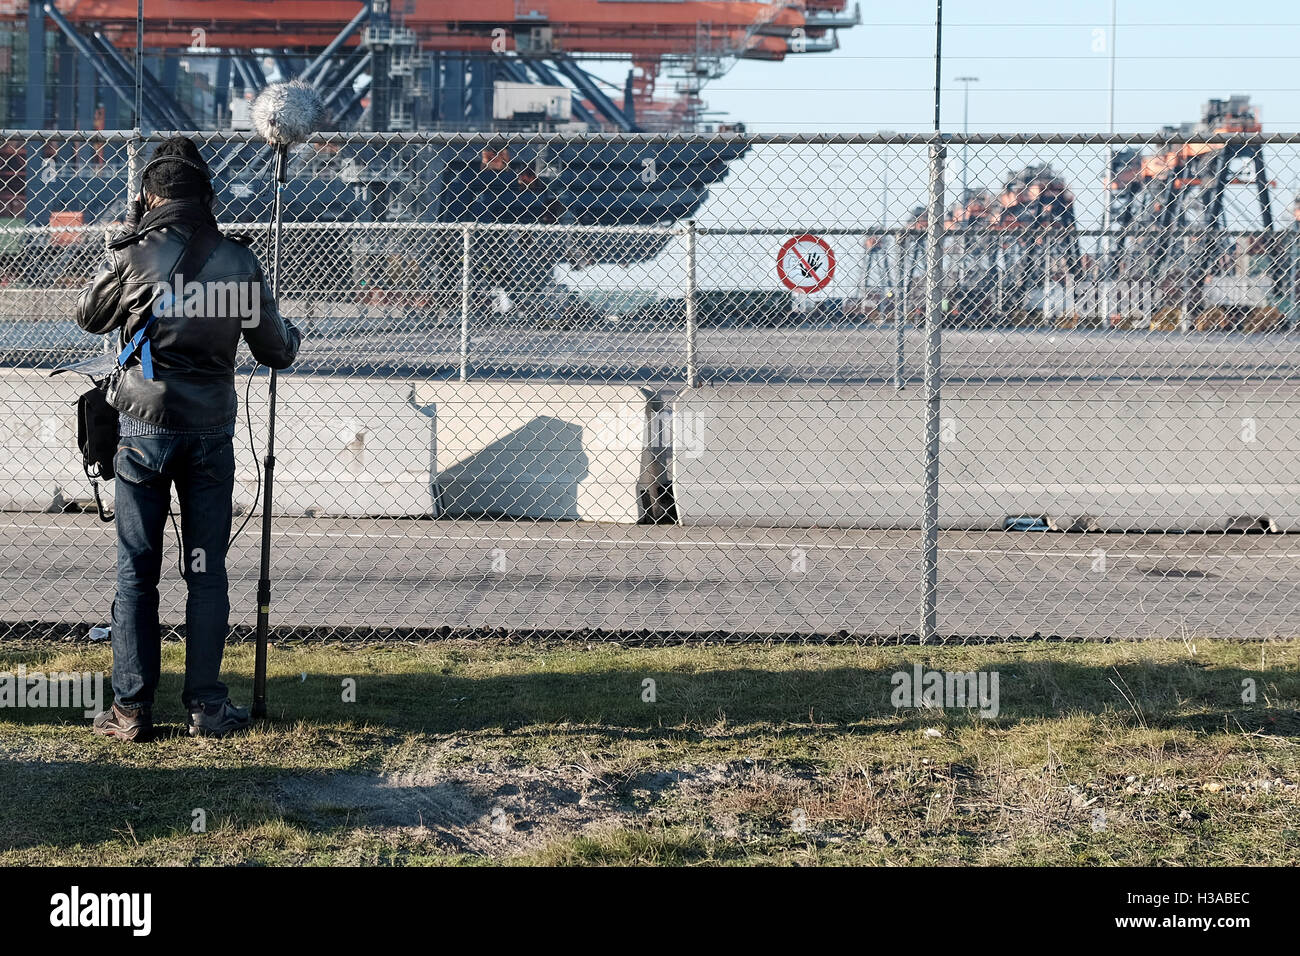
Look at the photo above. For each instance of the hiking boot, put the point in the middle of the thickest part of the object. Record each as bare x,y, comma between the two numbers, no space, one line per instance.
125,723
217,719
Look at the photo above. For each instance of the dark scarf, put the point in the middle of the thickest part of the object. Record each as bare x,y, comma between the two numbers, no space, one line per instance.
194,212
189,211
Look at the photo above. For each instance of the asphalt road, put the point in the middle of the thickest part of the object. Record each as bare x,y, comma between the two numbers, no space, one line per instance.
805,354
364,573
360,573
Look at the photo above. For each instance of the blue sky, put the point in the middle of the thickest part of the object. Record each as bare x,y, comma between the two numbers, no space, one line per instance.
1042,66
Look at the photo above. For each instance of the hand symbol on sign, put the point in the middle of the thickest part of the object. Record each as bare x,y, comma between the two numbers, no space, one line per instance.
814,262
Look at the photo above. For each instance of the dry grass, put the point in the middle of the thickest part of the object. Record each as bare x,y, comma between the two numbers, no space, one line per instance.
459,753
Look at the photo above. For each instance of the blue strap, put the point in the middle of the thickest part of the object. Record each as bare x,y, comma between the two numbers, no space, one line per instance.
146,356
200,247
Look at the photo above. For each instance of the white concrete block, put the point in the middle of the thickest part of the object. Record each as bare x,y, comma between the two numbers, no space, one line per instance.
1187,457
537,449
39,461
344,446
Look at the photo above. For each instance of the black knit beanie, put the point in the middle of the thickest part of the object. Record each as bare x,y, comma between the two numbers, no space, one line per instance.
186,176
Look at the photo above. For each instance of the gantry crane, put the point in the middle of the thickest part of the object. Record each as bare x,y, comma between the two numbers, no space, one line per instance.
427,62
1179,213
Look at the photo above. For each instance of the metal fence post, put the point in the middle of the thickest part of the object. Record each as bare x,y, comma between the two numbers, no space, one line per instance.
899,301
692,369
1000,267
933,370
465,240
1047,280
134,147
134,168
1103,273
1292,311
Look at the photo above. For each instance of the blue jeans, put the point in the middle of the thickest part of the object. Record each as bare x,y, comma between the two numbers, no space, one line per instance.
203,469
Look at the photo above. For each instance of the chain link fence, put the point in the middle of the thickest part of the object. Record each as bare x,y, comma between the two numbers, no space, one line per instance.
726,387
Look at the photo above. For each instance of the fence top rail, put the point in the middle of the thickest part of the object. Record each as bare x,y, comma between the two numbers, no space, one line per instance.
1193,232
433,137
1010,232
380,226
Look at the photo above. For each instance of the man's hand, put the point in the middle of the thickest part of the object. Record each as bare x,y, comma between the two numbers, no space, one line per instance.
134,210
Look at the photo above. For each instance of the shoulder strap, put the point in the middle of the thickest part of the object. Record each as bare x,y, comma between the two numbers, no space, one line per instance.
202,243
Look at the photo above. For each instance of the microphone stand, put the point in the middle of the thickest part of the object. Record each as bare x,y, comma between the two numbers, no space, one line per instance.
264,578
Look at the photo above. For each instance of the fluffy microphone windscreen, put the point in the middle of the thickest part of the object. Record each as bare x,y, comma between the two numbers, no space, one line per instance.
287,113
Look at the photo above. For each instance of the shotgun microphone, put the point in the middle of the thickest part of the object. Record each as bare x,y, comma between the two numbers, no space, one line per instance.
283,114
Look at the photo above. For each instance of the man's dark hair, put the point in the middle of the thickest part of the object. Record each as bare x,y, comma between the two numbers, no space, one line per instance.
185,176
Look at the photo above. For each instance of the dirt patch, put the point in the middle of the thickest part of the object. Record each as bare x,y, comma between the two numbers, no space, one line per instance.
492,809
501,808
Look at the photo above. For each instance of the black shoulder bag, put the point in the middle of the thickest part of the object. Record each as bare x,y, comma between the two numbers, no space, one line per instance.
96,417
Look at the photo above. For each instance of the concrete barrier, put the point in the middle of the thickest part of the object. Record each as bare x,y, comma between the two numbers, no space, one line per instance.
344,446
1194,457
1139,457
48,303
366,447
536,449
353,446
40,467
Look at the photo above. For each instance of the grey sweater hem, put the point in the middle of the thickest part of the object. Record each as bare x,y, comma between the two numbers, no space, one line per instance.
128,427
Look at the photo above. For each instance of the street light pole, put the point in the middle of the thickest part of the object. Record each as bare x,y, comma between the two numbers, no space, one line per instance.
1111,110
963,199
896,297
929,618
1104,264
966,81
884,189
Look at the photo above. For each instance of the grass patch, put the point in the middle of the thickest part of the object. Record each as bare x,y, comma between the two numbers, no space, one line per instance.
464,754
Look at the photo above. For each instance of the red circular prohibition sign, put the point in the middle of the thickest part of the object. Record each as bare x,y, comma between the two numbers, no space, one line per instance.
816,275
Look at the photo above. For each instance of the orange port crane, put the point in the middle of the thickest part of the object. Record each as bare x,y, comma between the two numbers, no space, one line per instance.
1174,208
698,39
640,28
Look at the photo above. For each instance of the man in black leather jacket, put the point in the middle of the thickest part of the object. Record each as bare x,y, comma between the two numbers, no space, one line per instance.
177,409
